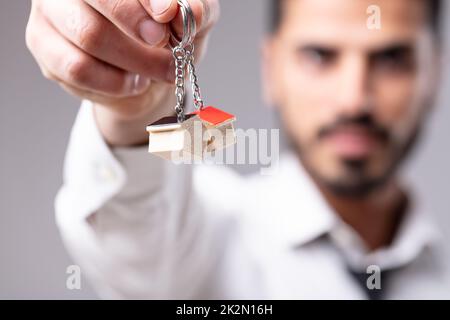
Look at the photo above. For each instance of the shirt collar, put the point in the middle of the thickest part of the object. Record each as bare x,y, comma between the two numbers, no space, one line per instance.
304,216
415,234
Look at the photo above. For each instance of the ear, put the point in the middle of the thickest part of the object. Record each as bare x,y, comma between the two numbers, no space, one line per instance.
436,68
440,61
268,87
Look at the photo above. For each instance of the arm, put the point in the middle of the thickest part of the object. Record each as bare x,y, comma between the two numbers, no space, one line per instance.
133,222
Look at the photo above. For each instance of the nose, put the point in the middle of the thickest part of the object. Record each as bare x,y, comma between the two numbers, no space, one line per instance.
353,96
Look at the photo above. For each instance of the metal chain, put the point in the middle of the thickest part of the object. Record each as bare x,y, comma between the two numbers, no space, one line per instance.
184,58
179,55
183,54
196,94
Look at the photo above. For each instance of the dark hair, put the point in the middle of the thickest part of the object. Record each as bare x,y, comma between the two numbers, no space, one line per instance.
434,14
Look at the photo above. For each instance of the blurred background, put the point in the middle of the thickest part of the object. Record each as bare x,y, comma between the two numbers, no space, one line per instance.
36,117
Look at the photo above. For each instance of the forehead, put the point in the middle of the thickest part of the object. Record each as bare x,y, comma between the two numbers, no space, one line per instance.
345,21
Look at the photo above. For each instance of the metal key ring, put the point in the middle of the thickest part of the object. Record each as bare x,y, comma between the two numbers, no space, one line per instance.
189,26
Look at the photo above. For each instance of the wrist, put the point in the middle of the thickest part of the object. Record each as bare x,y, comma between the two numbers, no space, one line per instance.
129,130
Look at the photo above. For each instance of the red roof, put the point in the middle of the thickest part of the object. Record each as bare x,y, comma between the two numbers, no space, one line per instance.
213,115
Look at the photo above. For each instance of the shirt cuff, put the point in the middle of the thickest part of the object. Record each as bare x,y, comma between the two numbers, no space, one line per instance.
94,173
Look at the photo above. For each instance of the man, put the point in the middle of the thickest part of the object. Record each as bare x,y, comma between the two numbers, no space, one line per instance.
334,222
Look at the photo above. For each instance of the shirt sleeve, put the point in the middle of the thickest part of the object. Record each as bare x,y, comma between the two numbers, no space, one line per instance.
133,222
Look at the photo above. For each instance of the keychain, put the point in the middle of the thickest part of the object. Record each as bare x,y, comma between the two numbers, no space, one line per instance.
193,135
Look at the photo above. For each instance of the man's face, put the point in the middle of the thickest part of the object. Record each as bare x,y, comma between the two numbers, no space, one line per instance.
352,99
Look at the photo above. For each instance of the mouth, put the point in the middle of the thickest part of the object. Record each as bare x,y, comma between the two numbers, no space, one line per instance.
353,141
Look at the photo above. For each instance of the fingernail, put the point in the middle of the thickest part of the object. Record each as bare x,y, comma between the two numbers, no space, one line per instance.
152,32
136,84
160,6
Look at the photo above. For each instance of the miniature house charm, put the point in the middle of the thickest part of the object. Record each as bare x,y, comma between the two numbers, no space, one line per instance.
190,136
203,131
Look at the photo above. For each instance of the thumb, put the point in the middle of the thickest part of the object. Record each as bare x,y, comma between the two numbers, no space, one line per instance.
162,11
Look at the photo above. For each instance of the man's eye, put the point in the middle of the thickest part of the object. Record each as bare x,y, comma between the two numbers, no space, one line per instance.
318,56
394,60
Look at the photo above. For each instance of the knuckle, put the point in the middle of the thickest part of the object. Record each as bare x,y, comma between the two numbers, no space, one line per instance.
113,8
119,7
77,68
48,75
125,13
30,34
89,35
37,5
128,15
30,38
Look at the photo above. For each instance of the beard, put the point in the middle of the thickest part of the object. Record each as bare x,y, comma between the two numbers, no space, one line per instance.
355,181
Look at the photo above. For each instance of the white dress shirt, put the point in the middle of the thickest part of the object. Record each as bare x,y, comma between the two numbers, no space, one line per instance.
142,227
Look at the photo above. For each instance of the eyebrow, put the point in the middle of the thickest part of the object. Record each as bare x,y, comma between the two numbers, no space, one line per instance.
398,46
312,47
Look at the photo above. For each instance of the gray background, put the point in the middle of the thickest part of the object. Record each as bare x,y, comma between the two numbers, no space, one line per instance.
36,117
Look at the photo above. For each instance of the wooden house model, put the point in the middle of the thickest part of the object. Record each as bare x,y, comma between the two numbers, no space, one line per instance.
202,132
